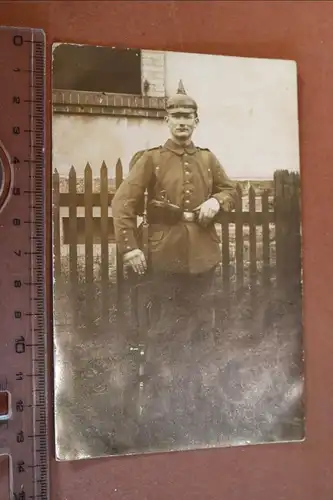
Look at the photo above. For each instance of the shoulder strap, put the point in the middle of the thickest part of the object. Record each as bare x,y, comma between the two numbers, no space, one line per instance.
135,158
138,155
206,153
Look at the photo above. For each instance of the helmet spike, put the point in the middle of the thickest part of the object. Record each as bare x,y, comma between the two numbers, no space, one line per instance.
181,88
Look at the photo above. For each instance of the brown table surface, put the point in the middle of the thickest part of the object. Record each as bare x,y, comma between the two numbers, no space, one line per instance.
302,31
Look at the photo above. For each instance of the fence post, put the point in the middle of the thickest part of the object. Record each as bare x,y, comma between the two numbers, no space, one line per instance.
89,234
296,225
72,236
294,236
226,263
56,226
120,270
265,239
253,245
287,220
239,239
104,240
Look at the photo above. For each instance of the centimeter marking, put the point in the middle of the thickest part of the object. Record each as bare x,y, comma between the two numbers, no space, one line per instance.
25,435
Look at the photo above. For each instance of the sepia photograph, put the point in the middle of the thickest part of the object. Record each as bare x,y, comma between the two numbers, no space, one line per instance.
177,251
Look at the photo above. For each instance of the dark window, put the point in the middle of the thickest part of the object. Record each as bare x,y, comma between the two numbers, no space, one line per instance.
97,69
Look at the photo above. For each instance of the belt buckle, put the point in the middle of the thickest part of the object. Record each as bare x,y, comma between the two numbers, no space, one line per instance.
188,216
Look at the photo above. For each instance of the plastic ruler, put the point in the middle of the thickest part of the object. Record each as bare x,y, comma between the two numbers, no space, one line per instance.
23,324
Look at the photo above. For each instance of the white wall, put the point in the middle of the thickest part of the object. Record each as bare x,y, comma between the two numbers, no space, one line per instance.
248,109
248,118
78,139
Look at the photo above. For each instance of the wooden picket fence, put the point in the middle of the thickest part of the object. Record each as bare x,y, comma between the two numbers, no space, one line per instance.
262,220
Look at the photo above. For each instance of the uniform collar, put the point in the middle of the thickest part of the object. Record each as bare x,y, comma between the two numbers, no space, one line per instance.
180,150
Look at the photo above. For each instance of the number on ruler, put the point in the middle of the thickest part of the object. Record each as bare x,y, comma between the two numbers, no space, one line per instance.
19,406
16,99
20,345
20,437
20,466
18,40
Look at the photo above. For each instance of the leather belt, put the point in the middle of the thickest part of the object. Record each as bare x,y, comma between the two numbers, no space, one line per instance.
189,216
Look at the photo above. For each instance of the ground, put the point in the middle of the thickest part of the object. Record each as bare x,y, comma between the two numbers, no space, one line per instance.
243,385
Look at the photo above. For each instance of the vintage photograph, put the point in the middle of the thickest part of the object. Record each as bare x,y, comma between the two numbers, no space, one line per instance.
177,251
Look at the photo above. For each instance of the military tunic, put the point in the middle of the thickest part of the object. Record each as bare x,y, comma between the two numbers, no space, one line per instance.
186,176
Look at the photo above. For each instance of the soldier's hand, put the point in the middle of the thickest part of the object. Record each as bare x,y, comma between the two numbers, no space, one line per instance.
207,211
136,259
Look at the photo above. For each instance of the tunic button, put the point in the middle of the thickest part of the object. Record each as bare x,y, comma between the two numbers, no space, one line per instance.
186,163
128,247
187,201
187,172
187,191
126,239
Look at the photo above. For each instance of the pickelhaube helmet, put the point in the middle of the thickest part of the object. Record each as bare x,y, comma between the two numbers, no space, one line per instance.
181,101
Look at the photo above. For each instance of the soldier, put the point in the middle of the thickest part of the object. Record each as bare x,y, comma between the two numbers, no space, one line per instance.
187,188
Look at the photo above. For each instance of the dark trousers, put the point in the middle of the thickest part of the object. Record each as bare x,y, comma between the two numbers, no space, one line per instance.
179,340
181,307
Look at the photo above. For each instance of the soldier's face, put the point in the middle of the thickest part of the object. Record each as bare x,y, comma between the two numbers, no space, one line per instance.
181,124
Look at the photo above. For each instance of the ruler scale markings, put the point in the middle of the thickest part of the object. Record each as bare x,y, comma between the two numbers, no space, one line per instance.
22,71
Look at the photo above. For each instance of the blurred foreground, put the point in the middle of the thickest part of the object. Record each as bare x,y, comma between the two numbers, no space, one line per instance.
240,384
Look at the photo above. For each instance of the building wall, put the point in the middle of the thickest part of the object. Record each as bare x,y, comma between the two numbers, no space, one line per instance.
153,70
248,116
94,139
